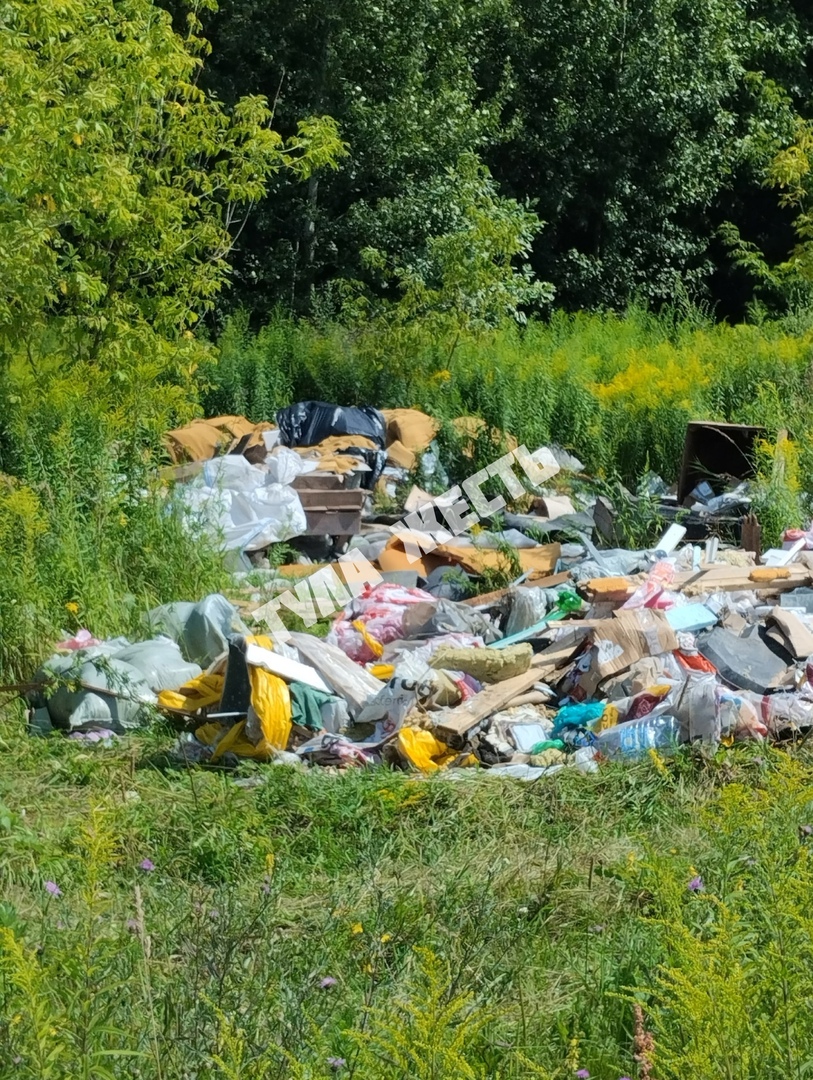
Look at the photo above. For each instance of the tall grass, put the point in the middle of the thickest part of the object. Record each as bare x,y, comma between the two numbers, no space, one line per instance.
87,534
617,390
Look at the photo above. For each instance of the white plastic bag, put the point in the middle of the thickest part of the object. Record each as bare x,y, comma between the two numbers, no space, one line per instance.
285,465
105,693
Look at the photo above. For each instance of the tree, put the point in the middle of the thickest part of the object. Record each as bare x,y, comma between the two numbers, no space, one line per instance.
400,81
122,184
463,275
622,122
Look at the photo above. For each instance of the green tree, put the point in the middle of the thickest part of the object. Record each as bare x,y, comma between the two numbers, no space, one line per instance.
401,82
122,184
464,276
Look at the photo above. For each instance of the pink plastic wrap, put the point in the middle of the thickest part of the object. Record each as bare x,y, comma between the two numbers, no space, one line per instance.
653,592
380,609
82,639
793,536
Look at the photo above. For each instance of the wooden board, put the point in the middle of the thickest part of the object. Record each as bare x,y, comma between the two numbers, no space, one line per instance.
454,725
734,578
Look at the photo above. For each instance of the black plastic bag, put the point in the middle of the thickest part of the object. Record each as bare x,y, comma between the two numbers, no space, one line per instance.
309,422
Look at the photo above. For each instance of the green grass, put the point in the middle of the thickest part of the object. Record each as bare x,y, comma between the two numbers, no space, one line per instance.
488,928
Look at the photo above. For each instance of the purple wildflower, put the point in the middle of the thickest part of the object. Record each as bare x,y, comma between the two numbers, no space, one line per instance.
696,884
336,1063
583,1074
132,926
327,982
52,888
147,865
806,830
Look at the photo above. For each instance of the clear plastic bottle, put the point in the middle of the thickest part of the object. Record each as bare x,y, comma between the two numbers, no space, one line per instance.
635,737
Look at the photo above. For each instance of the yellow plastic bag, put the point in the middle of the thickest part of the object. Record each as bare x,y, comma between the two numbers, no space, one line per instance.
237,742
197,694
271,701
384,672
423,750
608,719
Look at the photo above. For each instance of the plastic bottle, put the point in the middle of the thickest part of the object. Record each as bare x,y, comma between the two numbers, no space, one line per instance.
635,737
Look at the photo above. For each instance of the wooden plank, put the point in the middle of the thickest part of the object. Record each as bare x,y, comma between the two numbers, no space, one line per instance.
734,578
486,599
456,724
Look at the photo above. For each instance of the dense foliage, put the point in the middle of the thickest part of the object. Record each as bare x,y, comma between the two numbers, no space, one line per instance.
636,130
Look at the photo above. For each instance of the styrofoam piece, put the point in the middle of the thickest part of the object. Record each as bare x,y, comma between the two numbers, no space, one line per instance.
670,539
690,617
290,670
778,557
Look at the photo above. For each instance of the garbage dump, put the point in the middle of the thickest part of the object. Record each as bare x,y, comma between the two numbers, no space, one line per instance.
587,654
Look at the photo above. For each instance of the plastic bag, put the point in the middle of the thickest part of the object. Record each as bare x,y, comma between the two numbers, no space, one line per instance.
738,715
307,423
652,593
447,617
82,639
350,681
394,701
160,662
696,708
201,630
373,619
326,749
238,502
198,693
285,465
528,606
423,750
112,694
268,725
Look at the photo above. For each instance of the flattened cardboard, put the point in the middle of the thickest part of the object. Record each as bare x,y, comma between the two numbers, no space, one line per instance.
618,643
474,560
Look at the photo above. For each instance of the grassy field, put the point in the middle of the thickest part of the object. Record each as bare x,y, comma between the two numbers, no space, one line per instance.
162,924
176,924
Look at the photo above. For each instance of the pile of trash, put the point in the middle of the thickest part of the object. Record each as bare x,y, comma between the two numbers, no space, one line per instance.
588,654
609,654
